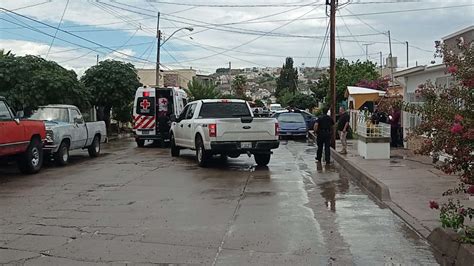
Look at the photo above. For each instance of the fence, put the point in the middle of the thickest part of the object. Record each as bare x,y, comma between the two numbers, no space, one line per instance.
369,130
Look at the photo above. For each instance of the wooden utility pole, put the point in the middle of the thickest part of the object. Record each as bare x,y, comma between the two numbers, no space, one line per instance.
408,63
332,65
390,56
158,46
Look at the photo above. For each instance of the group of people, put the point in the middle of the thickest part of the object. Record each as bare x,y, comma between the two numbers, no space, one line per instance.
324,126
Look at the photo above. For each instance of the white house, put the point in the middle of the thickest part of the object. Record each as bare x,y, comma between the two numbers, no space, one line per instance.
412,78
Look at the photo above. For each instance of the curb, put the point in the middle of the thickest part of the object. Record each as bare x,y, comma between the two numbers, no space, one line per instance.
445,242
119,136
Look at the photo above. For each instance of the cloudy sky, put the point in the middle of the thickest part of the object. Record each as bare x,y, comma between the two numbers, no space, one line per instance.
245,32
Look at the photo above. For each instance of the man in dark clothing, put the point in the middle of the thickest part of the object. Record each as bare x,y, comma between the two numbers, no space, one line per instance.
395,127
323,130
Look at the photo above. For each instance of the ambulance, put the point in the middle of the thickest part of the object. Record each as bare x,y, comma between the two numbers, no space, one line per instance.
153,111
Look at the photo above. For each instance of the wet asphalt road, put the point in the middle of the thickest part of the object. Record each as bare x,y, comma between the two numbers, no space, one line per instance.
141,206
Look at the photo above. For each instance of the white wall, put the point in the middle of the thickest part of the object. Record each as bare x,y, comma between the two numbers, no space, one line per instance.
411,85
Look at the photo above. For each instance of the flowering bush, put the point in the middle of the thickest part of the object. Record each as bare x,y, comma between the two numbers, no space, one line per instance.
447,125
448,114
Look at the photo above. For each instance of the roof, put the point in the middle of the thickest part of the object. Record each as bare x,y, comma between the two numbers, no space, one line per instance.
360,90
223,100
60,106
414,70
459,32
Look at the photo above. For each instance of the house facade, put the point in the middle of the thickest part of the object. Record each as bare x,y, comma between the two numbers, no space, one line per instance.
171,78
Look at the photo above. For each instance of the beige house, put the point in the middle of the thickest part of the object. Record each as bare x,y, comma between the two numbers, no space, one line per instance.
168,78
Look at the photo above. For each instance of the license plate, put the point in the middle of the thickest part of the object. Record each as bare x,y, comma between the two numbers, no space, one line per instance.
146,132
246,145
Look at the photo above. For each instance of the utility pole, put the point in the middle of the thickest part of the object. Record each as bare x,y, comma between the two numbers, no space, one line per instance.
367,50
381,64
158,46
407,54
97,61
390,56
332,62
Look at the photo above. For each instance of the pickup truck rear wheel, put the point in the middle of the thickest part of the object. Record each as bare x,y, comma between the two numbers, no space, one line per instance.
262,159
61,157
174,148
94,148
32,160
202,155
140,143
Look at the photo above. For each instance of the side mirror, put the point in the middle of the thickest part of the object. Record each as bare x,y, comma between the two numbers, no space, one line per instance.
78,121
17,121
20,114
173,118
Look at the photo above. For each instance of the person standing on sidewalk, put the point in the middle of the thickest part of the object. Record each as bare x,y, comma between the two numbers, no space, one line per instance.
395,127
343,127
323,130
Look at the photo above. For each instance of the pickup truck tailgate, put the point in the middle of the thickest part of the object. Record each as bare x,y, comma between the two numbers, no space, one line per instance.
233,129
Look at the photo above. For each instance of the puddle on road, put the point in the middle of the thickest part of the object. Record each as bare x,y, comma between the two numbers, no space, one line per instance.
357,229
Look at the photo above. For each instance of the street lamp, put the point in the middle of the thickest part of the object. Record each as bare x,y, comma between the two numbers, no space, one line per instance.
185,28
161,44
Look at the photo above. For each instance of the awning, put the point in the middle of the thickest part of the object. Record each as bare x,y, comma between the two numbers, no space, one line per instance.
361,95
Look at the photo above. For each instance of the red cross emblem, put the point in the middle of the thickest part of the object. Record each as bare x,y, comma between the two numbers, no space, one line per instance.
164,101
145,104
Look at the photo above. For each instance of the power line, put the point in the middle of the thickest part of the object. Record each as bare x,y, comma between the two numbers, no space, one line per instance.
343,21
227,5
375,30
252,40
33,5
59,25
68,33
323,46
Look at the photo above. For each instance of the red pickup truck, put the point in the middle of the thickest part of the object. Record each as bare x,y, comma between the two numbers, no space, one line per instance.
21,139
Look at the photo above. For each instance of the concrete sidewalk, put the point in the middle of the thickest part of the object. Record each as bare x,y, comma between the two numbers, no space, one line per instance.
406,183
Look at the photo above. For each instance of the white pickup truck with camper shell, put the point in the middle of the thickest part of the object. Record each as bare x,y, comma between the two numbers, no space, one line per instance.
66,130
225,128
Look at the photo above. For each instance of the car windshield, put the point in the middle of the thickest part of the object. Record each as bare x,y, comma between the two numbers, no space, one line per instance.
224,110
290,118
51,114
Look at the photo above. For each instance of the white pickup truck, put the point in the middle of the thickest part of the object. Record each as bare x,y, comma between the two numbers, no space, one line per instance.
224,127
66,130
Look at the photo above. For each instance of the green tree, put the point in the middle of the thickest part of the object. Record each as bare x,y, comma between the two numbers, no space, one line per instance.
348,74
112,84
30,81
259,103
288,79
239,85
198,90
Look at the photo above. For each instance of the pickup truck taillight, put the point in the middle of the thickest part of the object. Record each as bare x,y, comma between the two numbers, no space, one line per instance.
212,130
277,129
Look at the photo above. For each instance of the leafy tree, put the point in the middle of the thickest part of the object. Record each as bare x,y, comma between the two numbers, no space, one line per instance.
112,84
5,54
288,78
348,74
30,81
259,103
239,85
298,100
198,90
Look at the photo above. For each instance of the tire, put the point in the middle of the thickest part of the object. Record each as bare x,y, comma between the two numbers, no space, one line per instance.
202,155
262,159
174,149
94,148
140,143
61,157
32,160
